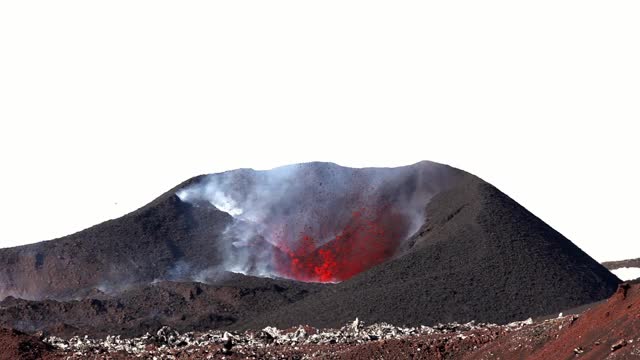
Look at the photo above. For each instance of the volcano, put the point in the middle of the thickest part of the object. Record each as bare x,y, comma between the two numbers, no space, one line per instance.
312,243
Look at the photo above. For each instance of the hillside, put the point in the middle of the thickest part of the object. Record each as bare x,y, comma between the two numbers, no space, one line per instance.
414,245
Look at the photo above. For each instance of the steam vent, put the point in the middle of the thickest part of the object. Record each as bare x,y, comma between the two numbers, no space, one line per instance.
312,244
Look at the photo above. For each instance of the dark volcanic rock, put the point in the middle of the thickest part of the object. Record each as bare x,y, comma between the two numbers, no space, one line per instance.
139,247
477,255
184,306
612,265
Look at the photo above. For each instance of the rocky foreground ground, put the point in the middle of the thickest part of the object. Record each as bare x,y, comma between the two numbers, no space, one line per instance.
354,340
609,330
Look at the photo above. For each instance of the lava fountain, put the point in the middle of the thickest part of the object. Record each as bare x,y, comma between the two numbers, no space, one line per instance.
368,239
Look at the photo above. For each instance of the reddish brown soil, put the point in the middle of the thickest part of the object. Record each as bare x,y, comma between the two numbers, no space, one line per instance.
592,335
523,343
421,347
15,345
611,330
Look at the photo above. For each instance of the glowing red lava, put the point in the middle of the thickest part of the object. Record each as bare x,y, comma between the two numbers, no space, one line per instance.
367,240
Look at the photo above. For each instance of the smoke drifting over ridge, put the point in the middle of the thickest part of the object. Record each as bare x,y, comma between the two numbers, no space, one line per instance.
317,221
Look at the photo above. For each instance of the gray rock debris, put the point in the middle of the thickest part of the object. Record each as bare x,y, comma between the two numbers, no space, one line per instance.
166,339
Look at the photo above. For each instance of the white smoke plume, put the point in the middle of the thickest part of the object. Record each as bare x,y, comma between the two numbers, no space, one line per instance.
271,209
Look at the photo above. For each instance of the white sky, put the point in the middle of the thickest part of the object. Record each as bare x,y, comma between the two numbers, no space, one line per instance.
627,274
106,105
